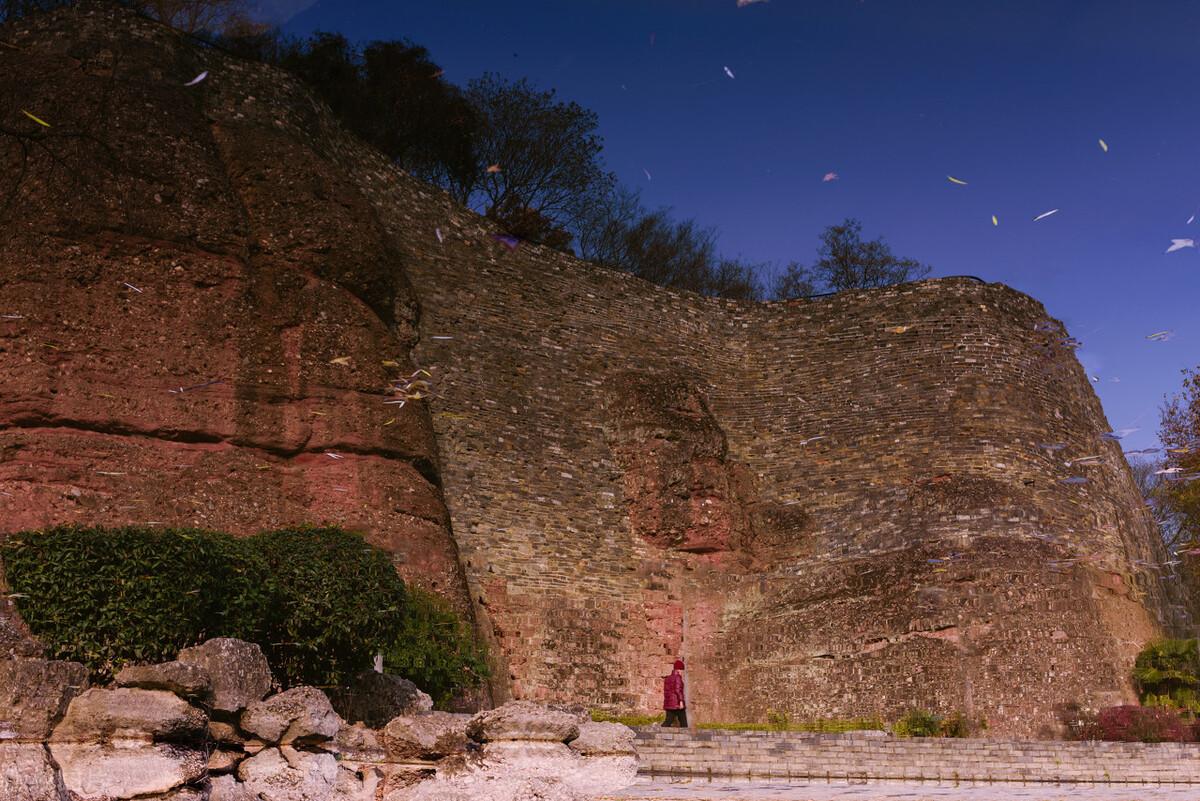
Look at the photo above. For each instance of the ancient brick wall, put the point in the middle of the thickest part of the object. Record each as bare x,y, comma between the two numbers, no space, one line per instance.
630,472
860,756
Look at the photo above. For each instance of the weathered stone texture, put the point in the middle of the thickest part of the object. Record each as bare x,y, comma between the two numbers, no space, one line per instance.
255,260
34,695
631,472
238,671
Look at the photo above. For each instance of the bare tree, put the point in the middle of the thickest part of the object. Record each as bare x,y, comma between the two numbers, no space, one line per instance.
796,281
1157,494
195,16
1179,431
845,261
534,152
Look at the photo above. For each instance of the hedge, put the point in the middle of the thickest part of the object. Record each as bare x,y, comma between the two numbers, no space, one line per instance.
320,601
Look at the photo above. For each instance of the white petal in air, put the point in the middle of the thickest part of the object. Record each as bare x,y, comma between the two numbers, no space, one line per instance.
1180,244
197,79
829,176
1104,145
744,3
954,180
994,220
648,178
728,72
1045,214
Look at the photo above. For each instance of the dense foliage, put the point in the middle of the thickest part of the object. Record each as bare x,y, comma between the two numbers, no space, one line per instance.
107,596
1179,431
436,649
920,723
335,602
1137,724
320,601
1167,674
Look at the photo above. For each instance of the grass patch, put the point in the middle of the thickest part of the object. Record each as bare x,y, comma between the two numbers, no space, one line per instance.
600,716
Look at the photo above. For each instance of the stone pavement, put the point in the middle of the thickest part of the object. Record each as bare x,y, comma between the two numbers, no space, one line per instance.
676,789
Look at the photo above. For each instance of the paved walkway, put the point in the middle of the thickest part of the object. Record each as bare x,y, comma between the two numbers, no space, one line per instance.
666,789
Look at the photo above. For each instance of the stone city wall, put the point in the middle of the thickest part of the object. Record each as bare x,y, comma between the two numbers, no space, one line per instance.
609,473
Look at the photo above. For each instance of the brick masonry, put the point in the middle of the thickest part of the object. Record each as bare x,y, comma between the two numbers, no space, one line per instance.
859,756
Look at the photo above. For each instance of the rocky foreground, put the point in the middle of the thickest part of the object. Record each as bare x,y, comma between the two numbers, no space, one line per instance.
207,727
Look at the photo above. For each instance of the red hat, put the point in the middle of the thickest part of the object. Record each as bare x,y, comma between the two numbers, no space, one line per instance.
679,664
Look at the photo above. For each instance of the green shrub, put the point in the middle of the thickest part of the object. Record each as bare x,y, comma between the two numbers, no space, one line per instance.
320,601
105,597
918,723
436,649
335,602
1167,674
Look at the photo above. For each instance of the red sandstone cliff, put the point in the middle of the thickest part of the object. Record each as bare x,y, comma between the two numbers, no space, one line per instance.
630,472
157,237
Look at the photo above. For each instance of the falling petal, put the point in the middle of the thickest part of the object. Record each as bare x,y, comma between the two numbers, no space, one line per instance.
897,329
829,176
1180,244
342,360
648,178
728,72
1191,220
1161,336
41,122
954,180
197,79
1045,214
994,220
1104,145
493,168
438,231
744,3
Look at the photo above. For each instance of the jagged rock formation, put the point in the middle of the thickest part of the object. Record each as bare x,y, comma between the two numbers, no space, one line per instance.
63,741
610,473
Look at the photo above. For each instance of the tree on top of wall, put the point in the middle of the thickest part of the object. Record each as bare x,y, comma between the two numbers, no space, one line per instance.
846,261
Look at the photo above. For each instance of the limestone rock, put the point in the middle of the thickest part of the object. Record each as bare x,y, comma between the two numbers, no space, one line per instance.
524,720
113,771
26,774
189,681
302,714
604,739
375,698
238,670
221,732
356,784
228,788
223,761
34,694
430,736
358,743
127,713
284,774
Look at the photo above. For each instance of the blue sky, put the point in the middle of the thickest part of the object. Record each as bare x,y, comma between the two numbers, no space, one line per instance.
893,96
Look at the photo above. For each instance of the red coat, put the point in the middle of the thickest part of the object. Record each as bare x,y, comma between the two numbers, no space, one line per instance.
673,691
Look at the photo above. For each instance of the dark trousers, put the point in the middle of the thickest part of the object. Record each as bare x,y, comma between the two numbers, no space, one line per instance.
676,717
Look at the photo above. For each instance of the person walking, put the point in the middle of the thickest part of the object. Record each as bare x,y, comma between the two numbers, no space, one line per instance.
673,701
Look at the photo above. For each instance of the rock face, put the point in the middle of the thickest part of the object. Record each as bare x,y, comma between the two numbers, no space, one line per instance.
300,715
34,694
101,715
238,672
375,698
433,735
141,744
176,677
743,484
524,720
207,239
